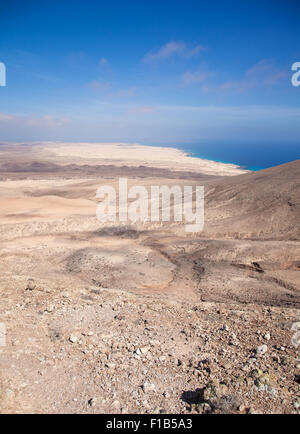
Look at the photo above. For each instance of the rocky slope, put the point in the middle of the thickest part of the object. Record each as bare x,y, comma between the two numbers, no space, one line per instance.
258,205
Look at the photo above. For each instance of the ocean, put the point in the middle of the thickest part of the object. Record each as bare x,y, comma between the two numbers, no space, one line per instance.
249,155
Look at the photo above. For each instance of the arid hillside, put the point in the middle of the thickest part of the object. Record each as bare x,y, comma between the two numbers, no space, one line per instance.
259,205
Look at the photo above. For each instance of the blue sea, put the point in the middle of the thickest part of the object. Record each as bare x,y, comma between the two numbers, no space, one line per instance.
249,155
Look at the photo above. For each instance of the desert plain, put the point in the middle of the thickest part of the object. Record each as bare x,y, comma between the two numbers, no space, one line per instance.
145,318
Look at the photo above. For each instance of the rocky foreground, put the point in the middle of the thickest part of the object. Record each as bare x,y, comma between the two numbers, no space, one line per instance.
107,351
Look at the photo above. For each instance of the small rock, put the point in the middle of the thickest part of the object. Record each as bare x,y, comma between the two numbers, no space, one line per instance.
111,366
30,285
203,408
144,350
252,411
92,402
265,383
148,387
73,339
261,350
297,404
267,336
242,407
210,391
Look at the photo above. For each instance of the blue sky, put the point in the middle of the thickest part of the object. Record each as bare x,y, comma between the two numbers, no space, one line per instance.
150,71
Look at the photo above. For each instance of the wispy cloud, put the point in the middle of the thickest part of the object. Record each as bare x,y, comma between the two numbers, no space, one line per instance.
172,48
142,109
265,73
126,93
4,117
99,85
110,91
166,123
262,74
103,61
31,121
190,77
48,121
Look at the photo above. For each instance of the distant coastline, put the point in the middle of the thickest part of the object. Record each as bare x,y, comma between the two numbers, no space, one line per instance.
246,155
134,155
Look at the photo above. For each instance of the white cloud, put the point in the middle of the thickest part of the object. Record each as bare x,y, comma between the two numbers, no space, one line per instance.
116,121
125,93
99,85
4,117
262,74
142,109
172,48
30,121
103,61
47,121
195,77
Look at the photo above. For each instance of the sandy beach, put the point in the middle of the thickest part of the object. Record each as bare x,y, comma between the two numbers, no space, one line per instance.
135,155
